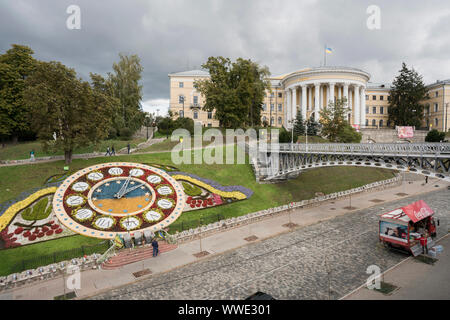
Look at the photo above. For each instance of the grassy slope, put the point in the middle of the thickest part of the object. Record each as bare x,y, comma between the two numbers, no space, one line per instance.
22,150
326,180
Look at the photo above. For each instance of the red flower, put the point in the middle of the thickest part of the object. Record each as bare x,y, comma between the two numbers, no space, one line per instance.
58,231
40,234
192,205
49,233
27,233
54,226
32,237
45,229
18,230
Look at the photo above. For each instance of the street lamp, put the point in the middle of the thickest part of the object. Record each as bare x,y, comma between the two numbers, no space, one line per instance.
306,134
147,120
182,101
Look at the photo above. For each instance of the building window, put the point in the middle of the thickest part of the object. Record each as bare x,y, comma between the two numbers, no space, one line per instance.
381,98
279,120
367,122
374,123
437,93
181,113
436,122
264,119
367,97
280,107
264,107
427,109
195,115
209,114
272,107
381,123
195,99
180,99
280,95
436,107
181,85
210,125
374,110
272,121
381,110
272,94
374,97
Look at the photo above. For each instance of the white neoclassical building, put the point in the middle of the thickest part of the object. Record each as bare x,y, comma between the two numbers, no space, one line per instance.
309,90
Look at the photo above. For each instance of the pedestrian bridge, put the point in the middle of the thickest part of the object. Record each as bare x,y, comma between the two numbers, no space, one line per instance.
280,161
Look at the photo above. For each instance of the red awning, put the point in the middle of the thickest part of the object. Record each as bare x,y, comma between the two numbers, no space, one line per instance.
418,211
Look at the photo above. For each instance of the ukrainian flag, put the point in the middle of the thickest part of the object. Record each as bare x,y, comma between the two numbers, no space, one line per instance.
328,50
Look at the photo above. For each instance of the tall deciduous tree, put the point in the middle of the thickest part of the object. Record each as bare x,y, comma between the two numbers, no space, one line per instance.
66,112
234,90
15,66
124,85
407,91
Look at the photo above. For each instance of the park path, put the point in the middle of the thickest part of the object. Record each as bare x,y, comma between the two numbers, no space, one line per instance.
230,246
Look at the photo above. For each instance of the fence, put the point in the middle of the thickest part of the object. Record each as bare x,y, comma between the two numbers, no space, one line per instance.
192,224
58,256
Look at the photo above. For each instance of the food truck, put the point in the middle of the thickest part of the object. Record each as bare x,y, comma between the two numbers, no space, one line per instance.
402,228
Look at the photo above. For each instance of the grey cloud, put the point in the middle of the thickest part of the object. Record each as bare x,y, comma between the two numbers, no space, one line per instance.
284,35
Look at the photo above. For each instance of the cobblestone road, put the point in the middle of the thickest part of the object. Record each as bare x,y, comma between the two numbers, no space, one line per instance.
302,264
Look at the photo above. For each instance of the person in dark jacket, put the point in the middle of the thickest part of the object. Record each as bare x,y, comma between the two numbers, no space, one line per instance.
155,247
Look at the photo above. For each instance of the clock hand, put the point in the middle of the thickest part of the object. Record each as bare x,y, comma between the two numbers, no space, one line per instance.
131,189
120,193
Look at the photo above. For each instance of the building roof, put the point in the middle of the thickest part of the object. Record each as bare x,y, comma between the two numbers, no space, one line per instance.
438,83
190,73
378,86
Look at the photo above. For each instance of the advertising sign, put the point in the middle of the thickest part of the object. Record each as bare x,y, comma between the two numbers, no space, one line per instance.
417,211
405,132
394,231
356,126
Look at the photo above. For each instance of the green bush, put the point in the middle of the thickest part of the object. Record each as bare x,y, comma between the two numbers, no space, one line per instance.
125,133
349,135
286,136
38,212
191,190
435,136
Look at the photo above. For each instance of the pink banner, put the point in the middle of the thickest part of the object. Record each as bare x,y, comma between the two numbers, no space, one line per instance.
356,126
405,132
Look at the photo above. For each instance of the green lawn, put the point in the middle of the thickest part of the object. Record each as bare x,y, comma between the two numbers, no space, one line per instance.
16,179
22,150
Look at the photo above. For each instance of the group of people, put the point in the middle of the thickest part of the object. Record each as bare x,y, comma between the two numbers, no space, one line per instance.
112,151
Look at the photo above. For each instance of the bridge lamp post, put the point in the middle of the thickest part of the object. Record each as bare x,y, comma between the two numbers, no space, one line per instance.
306,134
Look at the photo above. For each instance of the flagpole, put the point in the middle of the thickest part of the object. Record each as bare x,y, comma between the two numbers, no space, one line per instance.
325,55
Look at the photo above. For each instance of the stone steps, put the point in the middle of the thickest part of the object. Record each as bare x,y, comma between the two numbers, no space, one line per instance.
125,256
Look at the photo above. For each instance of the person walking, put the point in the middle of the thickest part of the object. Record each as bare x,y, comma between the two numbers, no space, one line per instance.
108,153
155,247
129,148
426,179
113,151
32,155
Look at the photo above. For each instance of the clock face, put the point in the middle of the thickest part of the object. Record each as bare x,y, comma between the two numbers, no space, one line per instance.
116,198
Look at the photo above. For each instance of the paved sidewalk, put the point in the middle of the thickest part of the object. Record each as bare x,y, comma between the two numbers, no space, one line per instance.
415,280
96,281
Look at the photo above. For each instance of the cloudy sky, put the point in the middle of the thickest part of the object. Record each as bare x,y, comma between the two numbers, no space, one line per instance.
176,35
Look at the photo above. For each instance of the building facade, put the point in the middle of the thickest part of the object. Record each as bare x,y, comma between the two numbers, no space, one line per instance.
309,90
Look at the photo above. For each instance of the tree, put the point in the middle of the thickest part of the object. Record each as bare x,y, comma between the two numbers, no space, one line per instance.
123,84
234,90
66,112
313,127
332,119
349,135
299,125
407,91
15,66
435,136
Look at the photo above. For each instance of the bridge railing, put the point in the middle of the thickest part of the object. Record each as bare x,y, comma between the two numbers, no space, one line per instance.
367,148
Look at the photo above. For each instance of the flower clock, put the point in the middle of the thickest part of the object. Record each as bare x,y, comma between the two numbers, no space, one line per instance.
116,198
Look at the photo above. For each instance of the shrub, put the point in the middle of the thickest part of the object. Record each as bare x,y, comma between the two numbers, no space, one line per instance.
38,212
349,135
435,136
191,190
125,133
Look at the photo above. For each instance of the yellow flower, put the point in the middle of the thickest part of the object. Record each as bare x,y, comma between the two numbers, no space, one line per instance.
234,194
11,212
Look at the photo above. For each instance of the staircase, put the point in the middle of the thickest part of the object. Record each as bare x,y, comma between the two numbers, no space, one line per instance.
127,256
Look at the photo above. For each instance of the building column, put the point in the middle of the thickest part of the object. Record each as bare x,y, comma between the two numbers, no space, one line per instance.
304,102
287,110
309,98
346,94
316,101
363,106
294,104
356,108
339,88
331,97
